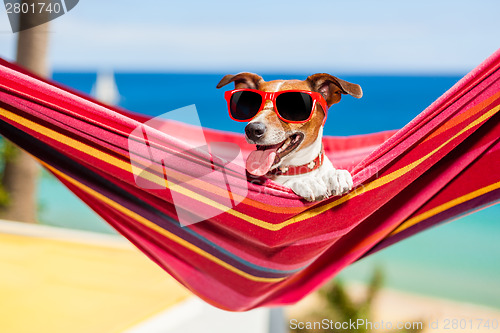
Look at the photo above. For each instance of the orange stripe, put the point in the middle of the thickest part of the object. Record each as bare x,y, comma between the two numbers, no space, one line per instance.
446,206
378,236
387,178
463,116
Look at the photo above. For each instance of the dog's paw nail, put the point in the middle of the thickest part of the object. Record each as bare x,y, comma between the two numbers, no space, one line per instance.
344,181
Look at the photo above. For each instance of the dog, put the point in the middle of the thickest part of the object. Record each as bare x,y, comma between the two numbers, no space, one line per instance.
288,139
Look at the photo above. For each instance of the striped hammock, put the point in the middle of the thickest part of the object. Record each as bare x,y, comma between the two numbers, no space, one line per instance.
238,243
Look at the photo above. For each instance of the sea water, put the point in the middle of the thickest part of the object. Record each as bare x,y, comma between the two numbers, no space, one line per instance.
459,260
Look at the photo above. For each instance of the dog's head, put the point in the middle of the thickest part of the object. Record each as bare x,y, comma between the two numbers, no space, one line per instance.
278,140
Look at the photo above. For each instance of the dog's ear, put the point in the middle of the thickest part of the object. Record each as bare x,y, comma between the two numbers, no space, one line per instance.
243,80
332,87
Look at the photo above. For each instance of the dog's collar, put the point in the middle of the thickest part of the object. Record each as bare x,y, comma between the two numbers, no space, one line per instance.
293,170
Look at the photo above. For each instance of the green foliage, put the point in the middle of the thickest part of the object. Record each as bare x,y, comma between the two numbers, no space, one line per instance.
7,152
4,196
340,307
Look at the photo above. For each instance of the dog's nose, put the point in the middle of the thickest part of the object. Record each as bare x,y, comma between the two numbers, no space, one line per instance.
255,131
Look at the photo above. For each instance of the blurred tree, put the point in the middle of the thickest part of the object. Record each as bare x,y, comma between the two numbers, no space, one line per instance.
339,306
20,171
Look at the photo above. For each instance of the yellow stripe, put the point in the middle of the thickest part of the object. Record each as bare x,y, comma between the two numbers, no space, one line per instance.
257,222
441,208
385,179
158,229
89,150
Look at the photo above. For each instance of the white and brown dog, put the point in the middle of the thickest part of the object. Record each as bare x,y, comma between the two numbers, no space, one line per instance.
288,130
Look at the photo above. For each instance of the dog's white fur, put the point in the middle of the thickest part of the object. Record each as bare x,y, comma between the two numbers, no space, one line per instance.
317,184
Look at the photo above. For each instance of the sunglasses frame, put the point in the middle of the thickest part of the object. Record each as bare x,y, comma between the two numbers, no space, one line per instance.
271,96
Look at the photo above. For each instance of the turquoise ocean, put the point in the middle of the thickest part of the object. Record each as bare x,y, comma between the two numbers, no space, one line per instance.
459,260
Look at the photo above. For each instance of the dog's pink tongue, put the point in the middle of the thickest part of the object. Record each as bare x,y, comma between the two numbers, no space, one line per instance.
260,161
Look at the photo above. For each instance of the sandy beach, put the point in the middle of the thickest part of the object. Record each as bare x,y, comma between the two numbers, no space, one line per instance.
392,307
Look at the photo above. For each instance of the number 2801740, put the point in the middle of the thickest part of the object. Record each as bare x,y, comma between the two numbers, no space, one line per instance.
33,8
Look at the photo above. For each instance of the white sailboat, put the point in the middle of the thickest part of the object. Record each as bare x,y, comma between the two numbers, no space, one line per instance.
105,89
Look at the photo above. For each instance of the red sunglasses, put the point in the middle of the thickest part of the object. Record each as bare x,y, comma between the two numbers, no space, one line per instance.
291,106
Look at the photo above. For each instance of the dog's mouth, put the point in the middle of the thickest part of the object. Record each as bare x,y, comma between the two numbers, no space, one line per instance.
260,161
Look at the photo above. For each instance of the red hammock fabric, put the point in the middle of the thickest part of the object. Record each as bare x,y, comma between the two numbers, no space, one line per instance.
257,243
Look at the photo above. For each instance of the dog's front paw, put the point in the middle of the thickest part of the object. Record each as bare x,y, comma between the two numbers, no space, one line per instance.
311,189
337,182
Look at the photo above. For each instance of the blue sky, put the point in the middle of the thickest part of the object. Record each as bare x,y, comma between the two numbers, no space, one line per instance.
365,36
